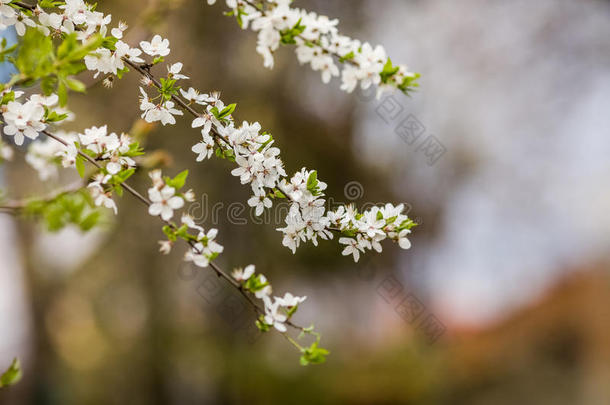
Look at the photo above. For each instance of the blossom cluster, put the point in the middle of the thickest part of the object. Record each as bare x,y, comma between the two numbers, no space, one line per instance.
319,44
44,156
306,219
257,158
260,166
365,231
162,111
76,16
258,162
80,18
10,17
114,154
165,198
278,310
27,119
117,151
102,195
205,248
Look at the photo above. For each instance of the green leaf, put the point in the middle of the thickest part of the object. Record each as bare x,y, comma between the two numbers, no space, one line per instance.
120,73
312,183
110,43
35,57
76,85
312,180
287,36
409,83
80,166
170,233
12,375
48,85
52,116
7,97
347,57
388,71
277,193
228,110
68,208
255,283
126,174
62,92
262,325
49,3
134,150
68,46
178,181
90,221
313,355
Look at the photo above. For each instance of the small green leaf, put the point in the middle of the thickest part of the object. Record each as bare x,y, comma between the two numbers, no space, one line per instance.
48,84
62,92
228,110
7,97
80,165
76,85
312,183
313,355
262,325
347,57
90,221
312,180
170,233
388,71
121,72
279,194
178,181
12,375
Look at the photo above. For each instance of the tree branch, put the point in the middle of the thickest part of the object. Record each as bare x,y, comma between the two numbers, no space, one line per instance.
219,271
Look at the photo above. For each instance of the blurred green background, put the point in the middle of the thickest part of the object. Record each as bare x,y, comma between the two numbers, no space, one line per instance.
504,297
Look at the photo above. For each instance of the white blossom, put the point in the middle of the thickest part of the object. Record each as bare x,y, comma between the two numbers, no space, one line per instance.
205,148
260,202
243,274
163,112
23,120
100,197
165,247
265,291
174,71
118,31
289,300
156,47
273,316
164,202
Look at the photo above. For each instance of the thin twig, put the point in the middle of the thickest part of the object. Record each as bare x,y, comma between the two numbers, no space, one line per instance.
17,205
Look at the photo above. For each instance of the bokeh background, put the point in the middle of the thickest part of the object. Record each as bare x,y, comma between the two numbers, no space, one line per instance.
502,157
